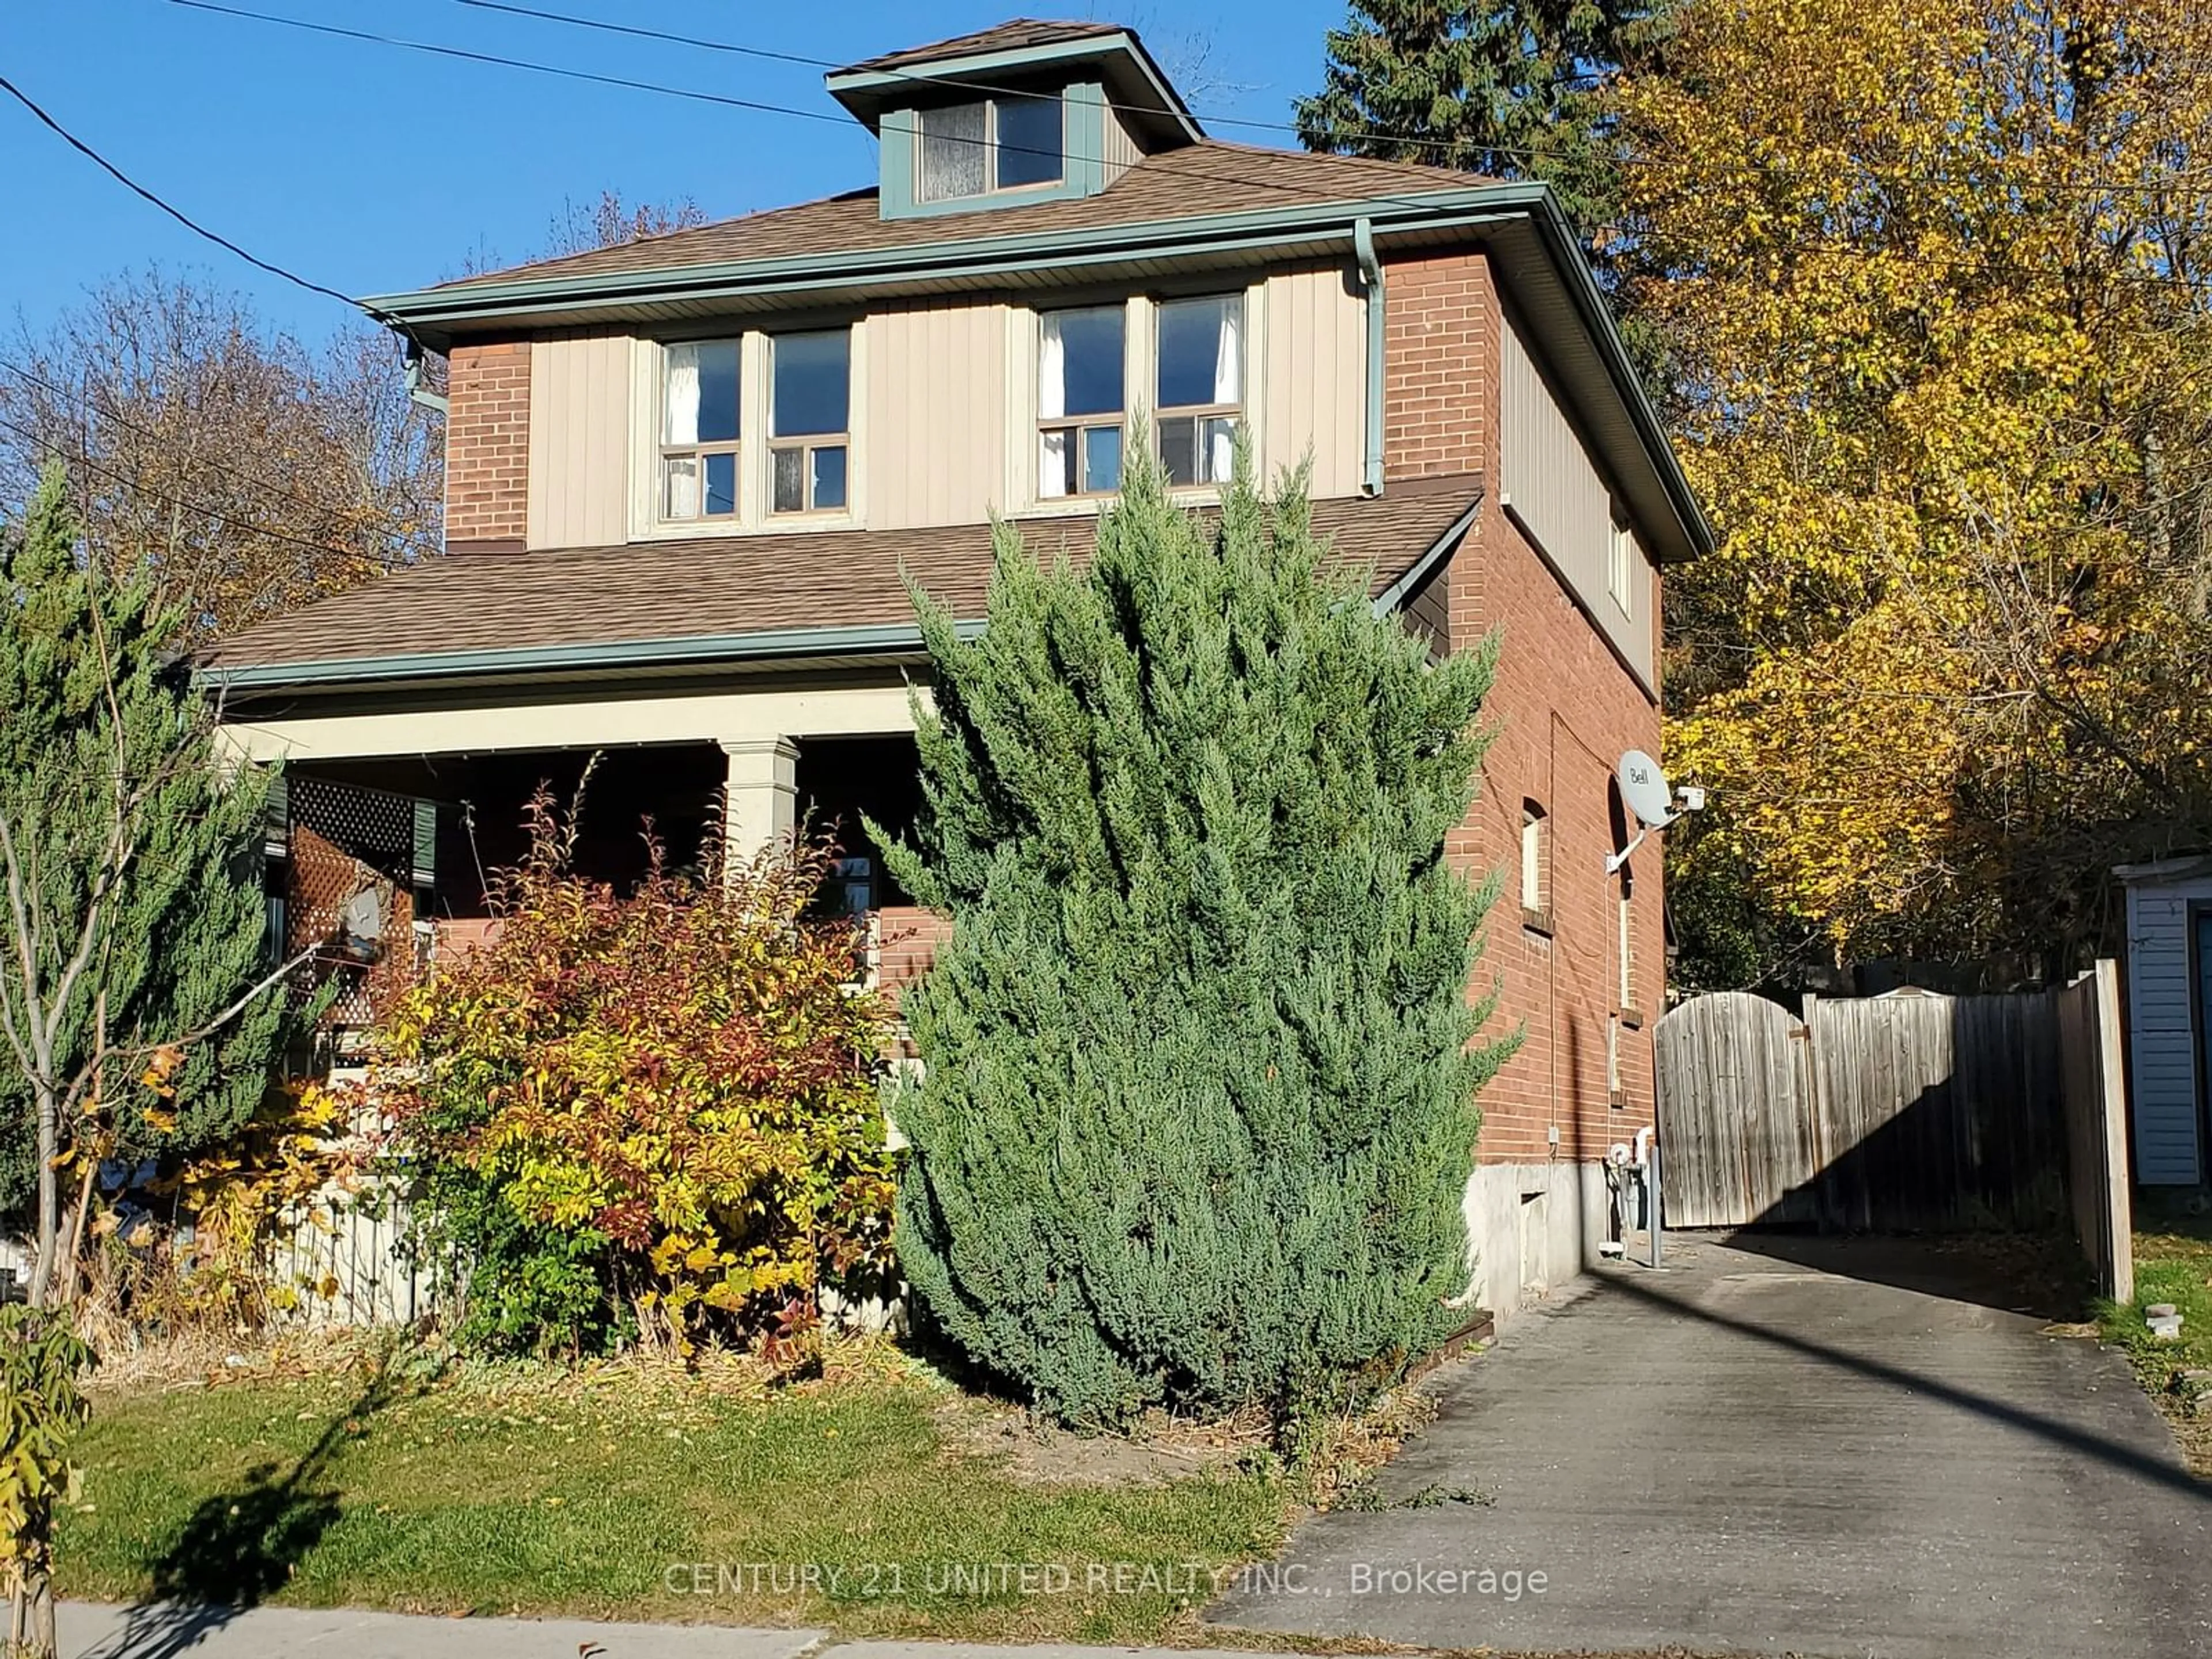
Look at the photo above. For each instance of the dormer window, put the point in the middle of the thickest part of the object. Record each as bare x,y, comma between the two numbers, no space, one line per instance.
1011,140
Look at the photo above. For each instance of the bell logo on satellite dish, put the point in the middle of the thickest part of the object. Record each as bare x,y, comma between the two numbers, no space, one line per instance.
1645,791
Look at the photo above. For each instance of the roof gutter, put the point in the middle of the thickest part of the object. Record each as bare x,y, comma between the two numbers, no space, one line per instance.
1590,303
1370,274
1253,228
416,390
1066,251
893,639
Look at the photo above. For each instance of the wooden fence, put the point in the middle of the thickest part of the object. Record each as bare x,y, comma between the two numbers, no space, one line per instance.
1904,1113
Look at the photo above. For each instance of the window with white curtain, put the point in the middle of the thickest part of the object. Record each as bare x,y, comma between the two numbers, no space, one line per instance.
1200,397
1079,401
699,430
808,415
1013,140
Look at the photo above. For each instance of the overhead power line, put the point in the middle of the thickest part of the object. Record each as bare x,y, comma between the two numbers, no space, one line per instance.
176,213
765,107
757,106
261,481
116,475
467,56
1384,135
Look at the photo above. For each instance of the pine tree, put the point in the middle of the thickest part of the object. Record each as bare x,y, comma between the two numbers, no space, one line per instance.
1199,1101
1515,90
131,865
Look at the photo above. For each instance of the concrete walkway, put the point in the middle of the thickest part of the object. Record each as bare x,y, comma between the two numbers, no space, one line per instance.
1859,1454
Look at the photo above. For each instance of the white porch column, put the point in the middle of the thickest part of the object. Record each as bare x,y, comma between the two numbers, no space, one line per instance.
763,793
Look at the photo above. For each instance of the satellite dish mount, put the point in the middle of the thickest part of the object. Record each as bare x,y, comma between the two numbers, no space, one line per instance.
1645,791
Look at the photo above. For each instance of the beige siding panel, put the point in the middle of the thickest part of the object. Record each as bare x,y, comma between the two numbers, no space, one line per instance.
937,406
1314,386
1549,483
1121,149
579,440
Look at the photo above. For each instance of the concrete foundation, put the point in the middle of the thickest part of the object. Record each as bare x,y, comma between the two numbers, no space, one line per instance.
1532,1228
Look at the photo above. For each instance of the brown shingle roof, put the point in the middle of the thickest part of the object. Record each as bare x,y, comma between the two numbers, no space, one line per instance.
1198,180
1014,35
668,592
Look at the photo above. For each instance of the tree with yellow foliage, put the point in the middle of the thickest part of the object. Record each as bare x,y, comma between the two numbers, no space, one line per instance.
1932,271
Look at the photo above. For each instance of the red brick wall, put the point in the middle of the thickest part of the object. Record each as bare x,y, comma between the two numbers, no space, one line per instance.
1440,365
488,445
907,941
1562,711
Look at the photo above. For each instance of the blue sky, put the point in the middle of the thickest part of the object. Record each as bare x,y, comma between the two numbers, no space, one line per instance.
371,169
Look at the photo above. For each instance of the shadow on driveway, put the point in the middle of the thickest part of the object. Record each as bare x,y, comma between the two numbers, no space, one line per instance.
1747,1453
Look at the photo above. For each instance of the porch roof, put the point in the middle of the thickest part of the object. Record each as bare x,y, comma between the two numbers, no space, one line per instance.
729,598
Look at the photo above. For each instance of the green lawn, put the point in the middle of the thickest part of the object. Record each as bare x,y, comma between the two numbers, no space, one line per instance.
630,1498
2174,1263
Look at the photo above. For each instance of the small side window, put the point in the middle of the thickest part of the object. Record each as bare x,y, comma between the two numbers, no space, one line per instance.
1536,868
1620,568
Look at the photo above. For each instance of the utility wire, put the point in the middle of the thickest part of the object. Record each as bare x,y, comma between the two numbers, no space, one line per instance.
758,106
762,107
178,214
115,475
1215,118
467,56
84,402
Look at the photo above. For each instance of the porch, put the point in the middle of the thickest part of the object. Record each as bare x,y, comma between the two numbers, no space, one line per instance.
385,842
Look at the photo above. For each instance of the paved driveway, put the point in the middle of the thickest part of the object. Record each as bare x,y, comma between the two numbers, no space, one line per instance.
1749,1454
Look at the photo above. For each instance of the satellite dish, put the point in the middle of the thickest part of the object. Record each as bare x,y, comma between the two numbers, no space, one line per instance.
1644,789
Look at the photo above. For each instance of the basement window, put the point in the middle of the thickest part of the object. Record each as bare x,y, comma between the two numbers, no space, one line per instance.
1011,140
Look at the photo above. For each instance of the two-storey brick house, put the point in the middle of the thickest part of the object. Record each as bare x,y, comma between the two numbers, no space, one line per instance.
684,476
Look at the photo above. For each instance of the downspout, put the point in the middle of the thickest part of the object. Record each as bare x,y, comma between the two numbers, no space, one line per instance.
416,390
1371,278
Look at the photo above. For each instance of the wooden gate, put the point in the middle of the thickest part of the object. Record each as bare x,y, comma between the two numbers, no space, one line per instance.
1904,1113
1737,1136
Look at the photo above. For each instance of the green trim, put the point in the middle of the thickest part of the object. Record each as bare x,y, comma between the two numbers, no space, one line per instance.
1370,274
897,154
1066,251
1085,125
853,87
1567,258
1395,595
892,637
984,255
1083,165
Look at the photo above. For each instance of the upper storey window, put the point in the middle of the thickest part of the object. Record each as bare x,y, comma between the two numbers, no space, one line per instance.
809,421
1012,140
1202,387
1079,401
699,430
